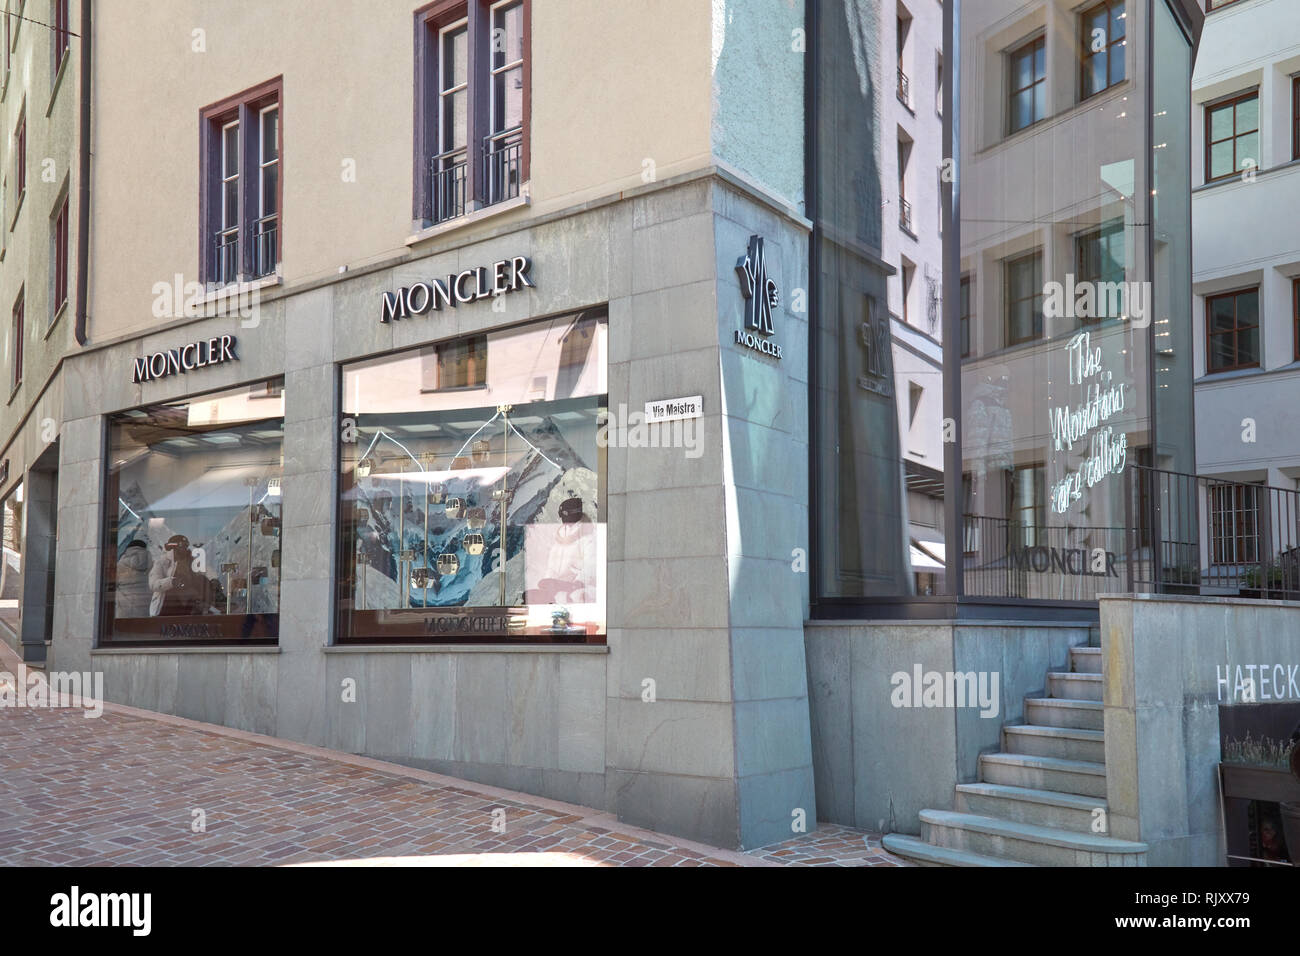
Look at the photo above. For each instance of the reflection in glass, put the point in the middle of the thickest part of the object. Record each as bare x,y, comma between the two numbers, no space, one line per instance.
195,534
475,510
11,567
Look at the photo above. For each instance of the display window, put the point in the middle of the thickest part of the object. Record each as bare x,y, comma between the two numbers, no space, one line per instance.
192,546
11,568
472,484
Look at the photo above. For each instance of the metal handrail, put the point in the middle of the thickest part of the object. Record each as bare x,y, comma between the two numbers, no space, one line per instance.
904,214
502,154
265,245
904,88
448,184
225,261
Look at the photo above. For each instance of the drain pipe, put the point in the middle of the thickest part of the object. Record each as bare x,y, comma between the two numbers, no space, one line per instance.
83,178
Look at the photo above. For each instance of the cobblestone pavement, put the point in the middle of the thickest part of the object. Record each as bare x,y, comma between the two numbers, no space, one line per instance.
129,788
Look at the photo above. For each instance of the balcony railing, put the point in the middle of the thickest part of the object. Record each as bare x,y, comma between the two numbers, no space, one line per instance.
227,267
265,246
904,89
904,214
501,169
1201,535
225,259
449,181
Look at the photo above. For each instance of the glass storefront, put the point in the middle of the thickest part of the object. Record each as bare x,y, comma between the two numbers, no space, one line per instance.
11,569
1068,273
193,523
472,484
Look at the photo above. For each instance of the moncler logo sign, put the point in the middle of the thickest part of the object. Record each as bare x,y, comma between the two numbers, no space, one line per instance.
761,297
483,282
213,351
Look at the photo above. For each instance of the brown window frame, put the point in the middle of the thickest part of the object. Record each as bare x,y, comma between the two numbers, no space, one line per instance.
60,297
1236,134
1006,288
1235,331
59,35
1029,47
1111,43
20,154
429,20
965,287
245,109
1295,117
19,332
1295,309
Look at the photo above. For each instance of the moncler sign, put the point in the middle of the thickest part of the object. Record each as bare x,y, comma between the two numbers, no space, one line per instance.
761,297
483,282
213,351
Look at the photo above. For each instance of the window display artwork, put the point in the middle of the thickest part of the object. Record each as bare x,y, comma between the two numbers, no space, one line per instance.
474,510
195,534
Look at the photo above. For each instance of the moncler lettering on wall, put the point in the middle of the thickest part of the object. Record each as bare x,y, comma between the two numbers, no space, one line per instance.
187,358
482,282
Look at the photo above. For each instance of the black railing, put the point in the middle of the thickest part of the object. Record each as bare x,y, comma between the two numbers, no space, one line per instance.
265,246
225,258
501,169
449,181
904,214
904,89
1004,558
1198,535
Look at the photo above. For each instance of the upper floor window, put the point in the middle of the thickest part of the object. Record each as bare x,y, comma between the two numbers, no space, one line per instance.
59,240
1231,136
1295,309
1024,293
1103,46
242,189
1099,260
472,91
20,155
19,337
1232,330
963,319
1295,117
1028,87
59,35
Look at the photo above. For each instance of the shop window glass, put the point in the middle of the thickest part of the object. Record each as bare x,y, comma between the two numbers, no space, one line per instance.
477,516
11,568
194,496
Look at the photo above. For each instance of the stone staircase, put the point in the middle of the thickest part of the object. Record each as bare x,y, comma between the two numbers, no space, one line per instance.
1035,802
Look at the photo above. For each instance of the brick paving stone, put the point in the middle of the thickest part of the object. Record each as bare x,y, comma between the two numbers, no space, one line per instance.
121,790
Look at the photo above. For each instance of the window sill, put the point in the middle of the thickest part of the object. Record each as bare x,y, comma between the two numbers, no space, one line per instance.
111,651
470,218
57,83
236,289
4,88
55,321
520,648
14,394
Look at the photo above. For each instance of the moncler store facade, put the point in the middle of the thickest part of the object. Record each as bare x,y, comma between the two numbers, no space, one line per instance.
520,509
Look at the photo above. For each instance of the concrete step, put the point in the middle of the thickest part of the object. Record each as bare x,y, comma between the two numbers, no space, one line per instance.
1068,743
1063,712
917,851
1027,842
1064,685
1044,773
1085,660
1046,808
